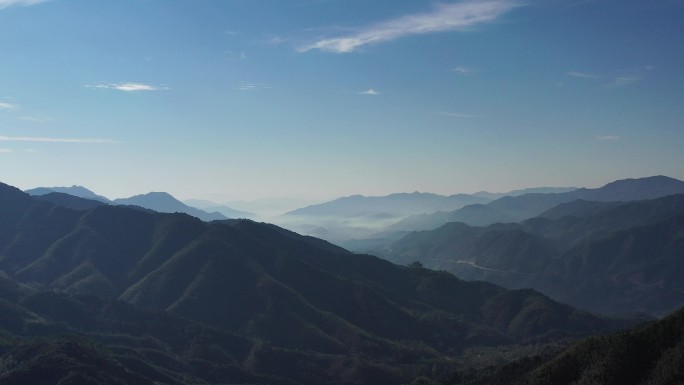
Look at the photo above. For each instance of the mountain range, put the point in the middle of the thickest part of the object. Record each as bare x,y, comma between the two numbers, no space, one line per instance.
518,208
609,257
167,298
77,191
210,206
359,216
157,201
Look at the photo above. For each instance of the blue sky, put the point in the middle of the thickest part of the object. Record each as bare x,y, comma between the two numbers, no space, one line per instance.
316,99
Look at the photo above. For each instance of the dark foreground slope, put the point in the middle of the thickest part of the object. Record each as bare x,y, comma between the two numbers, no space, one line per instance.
177,300
651,354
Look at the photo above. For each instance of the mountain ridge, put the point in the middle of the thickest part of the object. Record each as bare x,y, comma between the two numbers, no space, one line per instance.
519,208
310,301
637,241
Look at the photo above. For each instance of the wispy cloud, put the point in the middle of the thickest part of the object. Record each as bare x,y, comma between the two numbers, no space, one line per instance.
459,16
9,3
5,150
461,70
36,120
583,75
622,81
370,92
129,87
615,78
56,140
8,106
607,138
251,87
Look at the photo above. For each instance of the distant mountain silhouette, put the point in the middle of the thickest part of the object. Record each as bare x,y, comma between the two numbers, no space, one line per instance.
618,258
166,203
70,201
209,206
518,208
632,189
400,204
77,191
359,216
533,190
175,299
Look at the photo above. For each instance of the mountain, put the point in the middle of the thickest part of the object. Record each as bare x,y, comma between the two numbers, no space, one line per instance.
401,204
209,206
616,258
360,217
77,191
519,208
533,190
172,299
166,203
632,189
652,353
577,208
70,201
270,207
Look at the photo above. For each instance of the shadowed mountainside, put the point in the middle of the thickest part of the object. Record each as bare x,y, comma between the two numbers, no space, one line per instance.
651,354
304,310
618,258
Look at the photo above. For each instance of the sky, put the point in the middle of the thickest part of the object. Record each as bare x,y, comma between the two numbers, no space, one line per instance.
317,99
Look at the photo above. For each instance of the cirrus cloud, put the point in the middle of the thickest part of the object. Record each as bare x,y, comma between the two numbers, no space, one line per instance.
36,139
8,106
9,3
459,16
370,92
129,87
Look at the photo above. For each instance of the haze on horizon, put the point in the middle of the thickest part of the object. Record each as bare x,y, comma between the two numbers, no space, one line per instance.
234,99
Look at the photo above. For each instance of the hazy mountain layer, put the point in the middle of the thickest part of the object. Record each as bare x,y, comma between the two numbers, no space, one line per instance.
209,206
518,208
165,203
395,204
78,191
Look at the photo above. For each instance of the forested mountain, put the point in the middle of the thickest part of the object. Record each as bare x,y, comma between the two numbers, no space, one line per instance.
172,299
617,258
70,201
651,354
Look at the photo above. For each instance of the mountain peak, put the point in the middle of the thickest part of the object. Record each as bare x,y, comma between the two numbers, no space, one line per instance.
166,203
75,190
633,189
